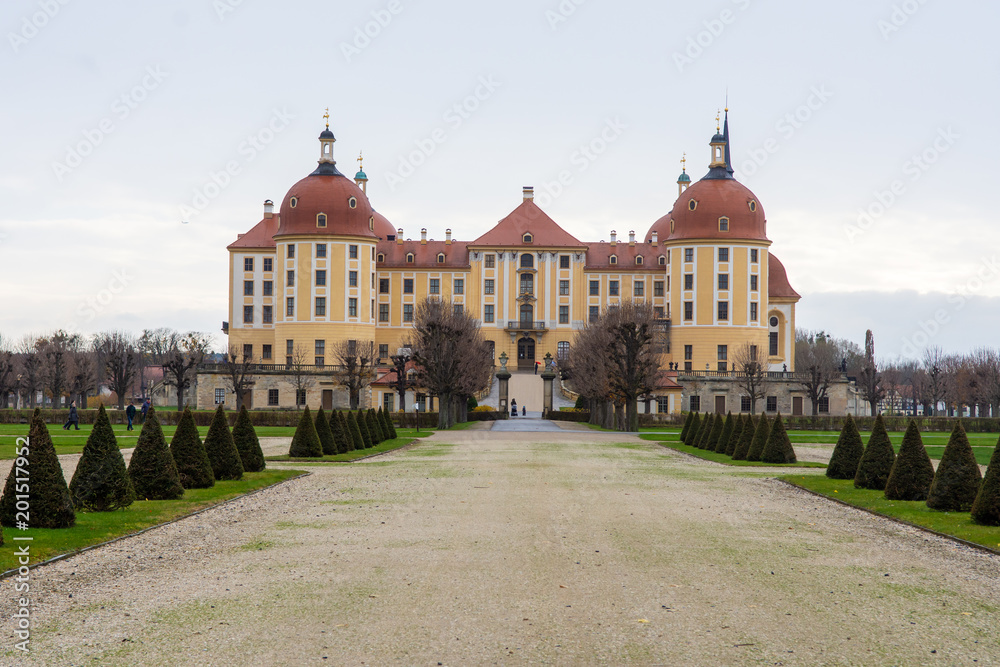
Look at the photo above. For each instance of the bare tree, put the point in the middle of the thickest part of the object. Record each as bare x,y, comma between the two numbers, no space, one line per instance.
892,380
869,378
83,374
154,345
8,372
633,357
239,373
402,382
985,365
55,351
818,361
181,361
587,368
750,372
118,354
934,368
300,372
29,373
356,361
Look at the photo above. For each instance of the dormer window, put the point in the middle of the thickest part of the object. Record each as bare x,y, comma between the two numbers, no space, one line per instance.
353,202
692,205
638,260
662,260
409,258
613,259
293,202
723,224
526,238
753,206
371,223
321,220
440,258
381,257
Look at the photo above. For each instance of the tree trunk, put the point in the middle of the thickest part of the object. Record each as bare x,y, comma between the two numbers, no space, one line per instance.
180,398
444,412
121,400
83,400
632,416
402,400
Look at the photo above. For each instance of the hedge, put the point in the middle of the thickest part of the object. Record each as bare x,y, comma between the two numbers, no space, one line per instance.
170,417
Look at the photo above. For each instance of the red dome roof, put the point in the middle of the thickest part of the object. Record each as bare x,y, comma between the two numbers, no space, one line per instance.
714,198
331,194
383,228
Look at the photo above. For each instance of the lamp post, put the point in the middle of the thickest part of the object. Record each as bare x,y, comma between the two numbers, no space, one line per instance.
503,375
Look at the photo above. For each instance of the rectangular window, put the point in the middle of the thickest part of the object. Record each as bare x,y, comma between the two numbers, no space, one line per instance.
744,404
321,250
772,403
290,279
723,254
248,314
688,352
694,401
563,288
639,289
435,286
247,288
248,263
723,310
265,351
657,288
352,251
268,287
491,261
562,350
300,397
823,405
488,313
387,401
459,286
753,311
687,366
563,261
723,281
613,287
723,352
722,367
407,285
594,313
220,396
658,312
383,312
290,306
772,339
319,347
289,347
663,404
272,396
268,264
352,307
268,315
383,351
753,283
688,281
407,312
563,314
457,308
753,352
352,278
383,285
321,278
321,306
247,351
688,254
688,310
753,255
595,288
291,251
488,286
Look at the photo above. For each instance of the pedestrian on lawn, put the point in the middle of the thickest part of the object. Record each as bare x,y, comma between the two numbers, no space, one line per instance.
130,413
74,419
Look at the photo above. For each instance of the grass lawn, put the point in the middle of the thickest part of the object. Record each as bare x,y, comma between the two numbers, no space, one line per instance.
722,458
406,436
96,527
912,511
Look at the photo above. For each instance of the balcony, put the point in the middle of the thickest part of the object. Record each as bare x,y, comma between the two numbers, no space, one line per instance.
525,325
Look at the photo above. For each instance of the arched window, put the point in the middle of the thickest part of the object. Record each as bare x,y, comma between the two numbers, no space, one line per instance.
527,314
527,284
381,257
321,220
613,259
352,202
526,238
440,258
638,260
562,350
293,202
663,260
409,258
723,224
527,260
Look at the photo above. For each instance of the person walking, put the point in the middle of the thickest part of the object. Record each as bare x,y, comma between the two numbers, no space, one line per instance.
145,409
524,410
130,413
74,419
513,407
536,367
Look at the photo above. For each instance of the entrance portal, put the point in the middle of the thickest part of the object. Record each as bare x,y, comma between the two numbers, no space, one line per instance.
526,354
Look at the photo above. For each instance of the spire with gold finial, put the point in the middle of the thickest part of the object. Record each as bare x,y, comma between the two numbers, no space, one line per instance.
683,181
326,117
327,165
360,178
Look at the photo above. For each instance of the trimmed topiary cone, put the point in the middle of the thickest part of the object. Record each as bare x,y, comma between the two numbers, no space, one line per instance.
707,438
340,435
387,426
707,422
326,441
986,508
958,478
221,449
746,439
912,473
355,431
716,433
247,443
877,461
373,429
734,438
759,438
778,448
848,452
305,442
727,433
49,501
366,437
687,426
193,465
692,434
101,483
152,468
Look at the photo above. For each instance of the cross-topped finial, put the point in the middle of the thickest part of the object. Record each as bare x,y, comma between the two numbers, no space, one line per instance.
718,117
326,117
361,163
684,160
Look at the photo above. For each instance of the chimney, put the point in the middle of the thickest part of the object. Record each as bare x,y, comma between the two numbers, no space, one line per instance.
614,237
239,236
529,192
656,237
423,236
631,238
399,236
268,209
447,237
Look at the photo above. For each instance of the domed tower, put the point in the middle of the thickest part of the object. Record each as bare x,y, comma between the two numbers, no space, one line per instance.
324,264
717,269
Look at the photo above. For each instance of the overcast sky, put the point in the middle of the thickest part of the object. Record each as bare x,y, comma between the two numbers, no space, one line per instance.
140,138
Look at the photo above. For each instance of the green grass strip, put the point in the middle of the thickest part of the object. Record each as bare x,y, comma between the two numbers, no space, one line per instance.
98,527
914,512
381,448
722,458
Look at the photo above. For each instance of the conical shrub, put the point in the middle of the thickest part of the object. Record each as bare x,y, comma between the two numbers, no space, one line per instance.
247,443
707,422
366,437
374,432
727,433
713,437
101,483
699,433
340,435
709,428
958,478
694,430
389,428
746,439
847,453
326,440
355,431
912,473
221,449
734,438
760,435
305,442
986,508
778,448
152,468
687,426
877,461
49,501
193,466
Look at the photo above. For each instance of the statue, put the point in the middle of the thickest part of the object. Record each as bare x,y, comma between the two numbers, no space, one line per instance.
503,360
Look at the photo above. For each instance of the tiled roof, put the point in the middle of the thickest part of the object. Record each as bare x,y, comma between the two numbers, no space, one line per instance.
777,280
425,255
599,256
528,218
260,235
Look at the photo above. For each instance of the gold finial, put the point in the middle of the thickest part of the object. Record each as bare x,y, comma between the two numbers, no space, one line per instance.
684,161
361,163
718,117
326,117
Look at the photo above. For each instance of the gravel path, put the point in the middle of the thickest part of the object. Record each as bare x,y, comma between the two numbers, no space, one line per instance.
521,548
